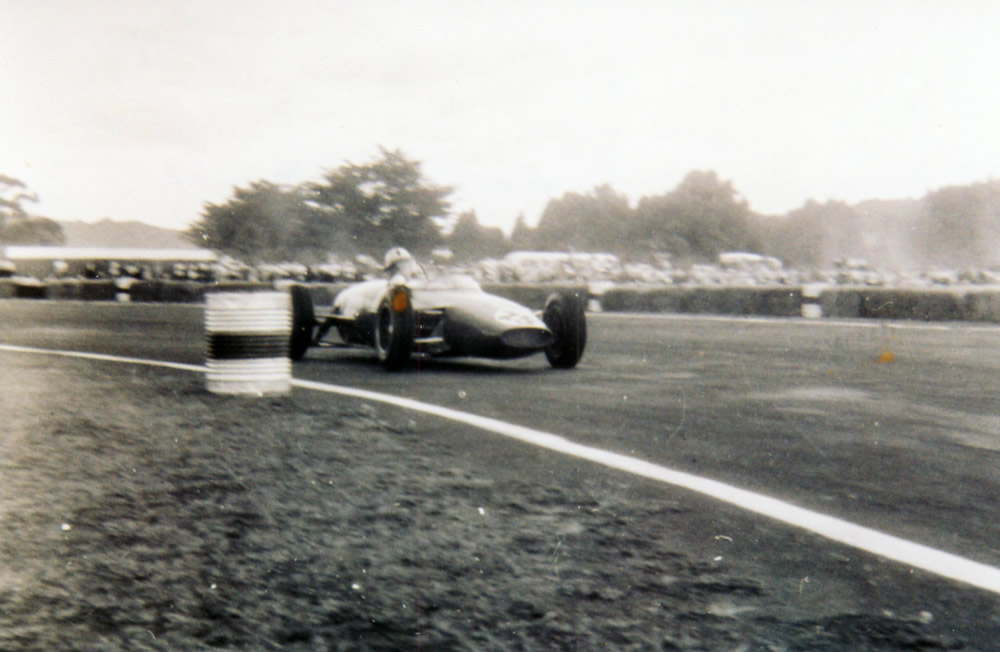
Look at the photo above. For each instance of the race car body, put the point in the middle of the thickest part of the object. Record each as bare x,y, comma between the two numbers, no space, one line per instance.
446,316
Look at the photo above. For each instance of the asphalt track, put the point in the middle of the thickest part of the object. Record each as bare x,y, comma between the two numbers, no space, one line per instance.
890,426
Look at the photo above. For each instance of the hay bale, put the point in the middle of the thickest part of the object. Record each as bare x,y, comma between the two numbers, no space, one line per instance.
982,305
917,305
167,292
626,300
841,303
777,301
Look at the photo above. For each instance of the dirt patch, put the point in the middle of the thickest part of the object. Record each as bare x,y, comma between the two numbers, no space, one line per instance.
139,512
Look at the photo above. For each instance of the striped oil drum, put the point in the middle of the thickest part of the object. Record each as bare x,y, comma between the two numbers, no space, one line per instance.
247,342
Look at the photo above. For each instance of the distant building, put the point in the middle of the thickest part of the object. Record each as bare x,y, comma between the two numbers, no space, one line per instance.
44,261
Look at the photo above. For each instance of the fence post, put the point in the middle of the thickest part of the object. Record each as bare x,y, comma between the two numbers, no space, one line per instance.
812,307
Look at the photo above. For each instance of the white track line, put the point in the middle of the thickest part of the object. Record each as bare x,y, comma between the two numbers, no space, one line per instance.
102,357
900,550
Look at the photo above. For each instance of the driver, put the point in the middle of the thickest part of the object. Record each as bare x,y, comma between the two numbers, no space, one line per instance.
401,266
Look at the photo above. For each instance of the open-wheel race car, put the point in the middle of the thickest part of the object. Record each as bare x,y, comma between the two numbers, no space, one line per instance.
448,316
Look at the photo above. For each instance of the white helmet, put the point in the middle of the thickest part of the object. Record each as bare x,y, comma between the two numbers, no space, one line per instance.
397,255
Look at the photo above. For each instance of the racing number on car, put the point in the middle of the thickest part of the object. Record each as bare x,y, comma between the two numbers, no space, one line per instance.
515,318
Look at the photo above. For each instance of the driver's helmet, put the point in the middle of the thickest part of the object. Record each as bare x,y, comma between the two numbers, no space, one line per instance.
399,260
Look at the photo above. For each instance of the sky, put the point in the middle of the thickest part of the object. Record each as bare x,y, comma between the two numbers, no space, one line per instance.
147,110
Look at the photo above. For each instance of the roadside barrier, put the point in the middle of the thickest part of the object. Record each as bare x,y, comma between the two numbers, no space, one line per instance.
248,335
777,301
959,303
78,290
914,304
29,289
982,305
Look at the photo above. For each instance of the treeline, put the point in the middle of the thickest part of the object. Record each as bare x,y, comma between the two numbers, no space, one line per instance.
703,216
366,208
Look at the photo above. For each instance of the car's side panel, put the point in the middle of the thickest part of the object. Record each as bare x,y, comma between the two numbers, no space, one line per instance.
360,298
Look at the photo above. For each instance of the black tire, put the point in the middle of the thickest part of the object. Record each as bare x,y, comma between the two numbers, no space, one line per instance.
394,327
303,322
565,315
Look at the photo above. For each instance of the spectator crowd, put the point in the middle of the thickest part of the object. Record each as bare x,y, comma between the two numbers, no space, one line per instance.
732,269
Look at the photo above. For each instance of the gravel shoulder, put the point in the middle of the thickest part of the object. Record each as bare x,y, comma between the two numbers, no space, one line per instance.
137,511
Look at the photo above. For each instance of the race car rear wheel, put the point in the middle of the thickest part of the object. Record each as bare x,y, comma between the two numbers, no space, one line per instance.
565,315
394,327
303,322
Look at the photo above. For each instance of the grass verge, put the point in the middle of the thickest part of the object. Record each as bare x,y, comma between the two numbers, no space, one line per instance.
137,511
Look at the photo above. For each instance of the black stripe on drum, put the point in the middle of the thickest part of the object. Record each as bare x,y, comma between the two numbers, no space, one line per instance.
229,346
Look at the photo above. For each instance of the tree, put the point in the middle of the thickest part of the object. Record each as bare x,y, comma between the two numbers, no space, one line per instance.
355,209
961,225
522,236
470,240
816,234
701,218
262,223
12,196
387,202
17,225
593,222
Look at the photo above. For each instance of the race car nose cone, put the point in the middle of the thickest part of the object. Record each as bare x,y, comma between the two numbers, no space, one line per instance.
527,338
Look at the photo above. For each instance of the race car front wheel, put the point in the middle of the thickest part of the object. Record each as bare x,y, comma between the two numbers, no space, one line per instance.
303,322
565,315
394,327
